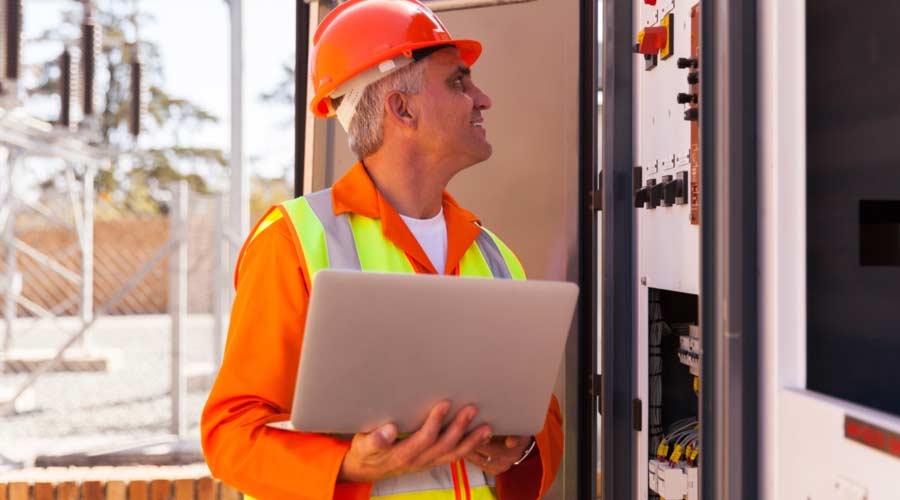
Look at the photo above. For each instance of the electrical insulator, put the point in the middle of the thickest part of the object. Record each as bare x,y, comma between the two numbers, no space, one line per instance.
90,53
137,91
13,40
65,89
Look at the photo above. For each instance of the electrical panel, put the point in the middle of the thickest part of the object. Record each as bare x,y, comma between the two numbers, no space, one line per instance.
666,204
667,172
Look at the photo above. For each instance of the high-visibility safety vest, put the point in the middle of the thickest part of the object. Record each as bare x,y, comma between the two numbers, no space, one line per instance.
353,241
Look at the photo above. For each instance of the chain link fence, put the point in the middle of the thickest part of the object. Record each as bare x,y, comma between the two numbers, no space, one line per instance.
122,394
123,240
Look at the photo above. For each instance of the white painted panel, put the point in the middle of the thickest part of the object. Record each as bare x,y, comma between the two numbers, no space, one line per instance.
668,245
670,249
817,462
642,379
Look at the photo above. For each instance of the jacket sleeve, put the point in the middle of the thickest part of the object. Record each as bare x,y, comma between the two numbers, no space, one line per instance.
255,385
531,479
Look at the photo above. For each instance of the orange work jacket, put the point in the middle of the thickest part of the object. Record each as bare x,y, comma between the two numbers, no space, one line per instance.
256,380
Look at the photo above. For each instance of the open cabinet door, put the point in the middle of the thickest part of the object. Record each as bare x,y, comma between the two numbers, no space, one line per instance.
617,450
831,250
729,419
679,248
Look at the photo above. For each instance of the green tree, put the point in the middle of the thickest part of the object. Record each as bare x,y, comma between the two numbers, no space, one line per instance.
137,175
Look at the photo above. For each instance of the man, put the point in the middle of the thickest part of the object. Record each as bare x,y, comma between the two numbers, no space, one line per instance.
402,88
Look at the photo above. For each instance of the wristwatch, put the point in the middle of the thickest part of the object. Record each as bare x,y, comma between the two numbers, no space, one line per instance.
527,452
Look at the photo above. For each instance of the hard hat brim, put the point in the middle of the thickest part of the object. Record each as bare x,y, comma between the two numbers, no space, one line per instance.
469,52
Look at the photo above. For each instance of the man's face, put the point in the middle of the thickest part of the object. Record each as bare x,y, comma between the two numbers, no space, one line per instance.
450,124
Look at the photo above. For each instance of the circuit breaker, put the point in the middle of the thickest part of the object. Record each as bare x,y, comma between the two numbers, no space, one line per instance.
667,201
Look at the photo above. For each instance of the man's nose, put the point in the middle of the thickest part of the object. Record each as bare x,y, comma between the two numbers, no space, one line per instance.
482,100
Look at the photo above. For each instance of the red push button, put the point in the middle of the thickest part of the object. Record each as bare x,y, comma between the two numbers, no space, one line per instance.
650,2
652,40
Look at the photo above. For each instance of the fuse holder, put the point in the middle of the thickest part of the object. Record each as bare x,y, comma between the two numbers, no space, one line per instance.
652,40
662,451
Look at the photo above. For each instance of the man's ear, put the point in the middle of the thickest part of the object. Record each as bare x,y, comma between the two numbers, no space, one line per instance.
398,106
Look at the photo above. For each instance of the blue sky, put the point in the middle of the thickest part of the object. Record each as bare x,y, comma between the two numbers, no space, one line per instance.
193,36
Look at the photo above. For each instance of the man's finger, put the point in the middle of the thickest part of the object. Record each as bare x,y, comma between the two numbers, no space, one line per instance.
467,446
513,441
422,439
492,446
450,437
489,463
375,442
381,439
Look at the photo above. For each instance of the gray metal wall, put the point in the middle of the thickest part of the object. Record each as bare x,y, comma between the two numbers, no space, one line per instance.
527,191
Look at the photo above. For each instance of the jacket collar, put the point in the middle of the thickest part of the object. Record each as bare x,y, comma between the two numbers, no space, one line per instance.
356,193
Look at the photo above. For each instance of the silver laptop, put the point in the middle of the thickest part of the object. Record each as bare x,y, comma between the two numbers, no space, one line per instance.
386,347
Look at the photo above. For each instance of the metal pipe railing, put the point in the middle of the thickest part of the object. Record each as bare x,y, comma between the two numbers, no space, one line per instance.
178,266
9,239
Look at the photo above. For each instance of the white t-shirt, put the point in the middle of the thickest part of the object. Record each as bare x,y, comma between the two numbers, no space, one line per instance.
432,237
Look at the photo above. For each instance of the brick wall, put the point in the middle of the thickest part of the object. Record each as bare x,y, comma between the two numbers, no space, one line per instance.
115,483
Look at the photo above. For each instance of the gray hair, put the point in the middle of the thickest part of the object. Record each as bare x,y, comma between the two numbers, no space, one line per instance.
366,129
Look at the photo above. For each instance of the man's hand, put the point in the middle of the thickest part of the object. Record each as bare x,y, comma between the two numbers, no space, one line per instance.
377,455
499,454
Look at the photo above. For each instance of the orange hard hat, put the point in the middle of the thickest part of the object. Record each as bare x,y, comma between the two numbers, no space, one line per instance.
361,34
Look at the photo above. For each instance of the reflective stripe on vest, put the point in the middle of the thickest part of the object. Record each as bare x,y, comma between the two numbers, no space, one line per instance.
461,480
353,241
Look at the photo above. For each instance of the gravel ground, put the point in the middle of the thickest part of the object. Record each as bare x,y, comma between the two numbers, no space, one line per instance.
79,412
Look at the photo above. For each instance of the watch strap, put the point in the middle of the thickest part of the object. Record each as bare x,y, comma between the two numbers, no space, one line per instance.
527,452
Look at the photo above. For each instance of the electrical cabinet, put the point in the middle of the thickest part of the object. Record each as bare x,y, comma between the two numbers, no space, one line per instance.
801,229
832,240
666,204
